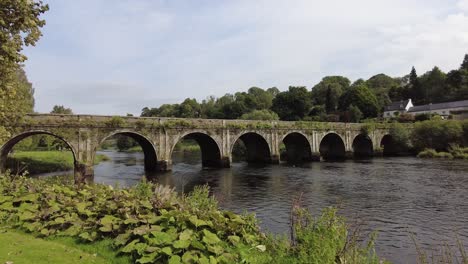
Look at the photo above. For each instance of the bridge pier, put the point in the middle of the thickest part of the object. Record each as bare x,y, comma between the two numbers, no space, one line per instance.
84,174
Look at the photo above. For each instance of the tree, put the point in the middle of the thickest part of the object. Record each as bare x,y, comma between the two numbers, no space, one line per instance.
263,114
60,109
355,114
189,108
362,97
293,104
328,91
19,26
434,86
381,85
464,65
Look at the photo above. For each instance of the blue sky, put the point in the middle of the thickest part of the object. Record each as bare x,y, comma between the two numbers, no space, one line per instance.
118,56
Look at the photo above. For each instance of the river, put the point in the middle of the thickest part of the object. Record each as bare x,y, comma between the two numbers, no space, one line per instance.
396,197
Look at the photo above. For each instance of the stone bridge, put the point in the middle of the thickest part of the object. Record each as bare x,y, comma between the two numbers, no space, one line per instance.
303,141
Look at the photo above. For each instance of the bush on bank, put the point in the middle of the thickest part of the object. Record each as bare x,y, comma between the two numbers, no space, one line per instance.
152,224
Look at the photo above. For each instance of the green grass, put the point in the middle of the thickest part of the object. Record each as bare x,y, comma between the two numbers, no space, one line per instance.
19,247
44,161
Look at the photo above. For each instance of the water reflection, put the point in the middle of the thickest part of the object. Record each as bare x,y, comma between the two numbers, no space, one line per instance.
395,196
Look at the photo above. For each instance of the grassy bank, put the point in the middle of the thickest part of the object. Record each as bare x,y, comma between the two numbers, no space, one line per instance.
150,223
19,247
453,153
44,161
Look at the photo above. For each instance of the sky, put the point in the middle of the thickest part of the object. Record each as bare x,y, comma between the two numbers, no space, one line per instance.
113,57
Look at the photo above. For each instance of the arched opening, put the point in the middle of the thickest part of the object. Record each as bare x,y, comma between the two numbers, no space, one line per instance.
362,146
38,153
251,147
332,147
297,149
131,148
197,142
389,146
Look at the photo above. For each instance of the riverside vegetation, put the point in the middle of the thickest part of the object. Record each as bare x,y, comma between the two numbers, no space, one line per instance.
150,223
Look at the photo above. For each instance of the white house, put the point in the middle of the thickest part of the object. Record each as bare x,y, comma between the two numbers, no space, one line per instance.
457,108
397,108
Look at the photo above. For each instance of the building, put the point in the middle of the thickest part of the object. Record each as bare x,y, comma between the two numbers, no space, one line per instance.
397,108
457,109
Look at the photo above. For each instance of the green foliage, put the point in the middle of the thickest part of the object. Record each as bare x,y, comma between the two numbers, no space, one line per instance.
362,97
436,134
401,137
60,109
293,104
355,114
146,222
20,26
115,121
260,115
454,152
35,162
125,143
151,224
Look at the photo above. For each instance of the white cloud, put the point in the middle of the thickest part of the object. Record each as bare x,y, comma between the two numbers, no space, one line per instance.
161,50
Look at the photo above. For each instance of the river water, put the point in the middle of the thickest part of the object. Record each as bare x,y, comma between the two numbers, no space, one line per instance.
397,197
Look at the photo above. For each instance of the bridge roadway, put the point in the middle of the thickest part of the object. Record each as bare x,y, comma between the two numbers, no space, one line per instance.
304,141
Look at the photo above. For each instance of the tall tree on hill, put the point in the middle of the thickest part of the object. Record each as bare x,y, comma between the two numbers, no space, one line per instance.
464,65
19,26
434,83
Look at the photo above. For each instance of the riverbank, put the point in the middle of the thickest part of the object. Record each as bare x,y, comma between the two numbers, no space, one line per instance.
452,153
35,162
151,223
21,247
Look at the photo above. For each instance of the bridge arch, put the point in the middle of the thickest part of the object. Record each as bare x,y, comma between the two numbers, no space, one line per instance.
298,148
332,147
388,145
8,146
210,148
149,150
257,148
362,146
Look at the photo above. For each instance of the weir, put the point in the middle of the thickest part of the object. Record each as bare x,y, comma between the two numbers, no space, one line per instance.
304,141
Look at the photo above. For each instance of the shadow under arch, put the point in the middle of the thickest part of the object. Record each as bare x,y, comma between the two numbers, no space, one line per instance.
149,151
362,146
298,148
332,147
8,146
210,151
389,146
256,146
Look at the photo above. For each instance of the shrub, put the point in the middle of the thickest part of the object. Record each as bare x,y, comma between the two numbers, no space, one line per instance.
115,121
436,134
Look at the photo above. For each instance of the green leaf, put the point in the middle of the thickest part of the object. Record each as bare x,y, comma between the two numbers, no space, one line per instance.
174,260
189,257
167,251
234,239
182,244
218,250
197,222
160,238
149,258
198,245
130,246
210,238
186,234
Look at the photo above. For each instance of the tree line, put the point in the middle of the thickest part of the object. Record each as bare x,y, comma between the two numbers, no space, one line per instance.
334,98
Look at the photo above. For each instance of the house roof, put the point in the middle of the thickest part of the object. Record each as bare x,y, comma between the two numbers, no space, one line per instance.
448,105
397,106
